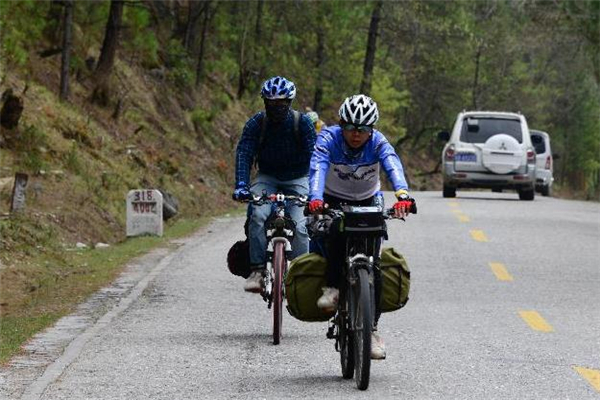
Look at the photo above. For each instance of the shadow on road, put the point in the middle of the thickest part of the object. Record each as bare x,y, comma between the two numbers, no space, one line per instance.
307,381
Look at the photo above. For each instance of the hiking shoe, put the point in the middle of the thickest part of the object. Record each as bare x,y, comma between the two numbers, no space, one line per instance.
377,347
254,283
329,300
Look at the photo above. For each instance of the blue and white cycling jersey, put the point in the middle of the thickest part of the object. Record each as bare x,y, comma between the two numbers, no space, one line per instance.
340,171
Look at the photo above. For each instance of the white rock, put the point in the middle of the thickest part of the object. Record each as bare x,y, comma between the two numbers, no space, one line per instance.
80,245
101,245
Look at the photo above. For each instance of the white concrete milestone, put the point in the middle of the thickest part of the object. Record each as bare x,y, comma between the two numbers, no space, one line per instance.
144,212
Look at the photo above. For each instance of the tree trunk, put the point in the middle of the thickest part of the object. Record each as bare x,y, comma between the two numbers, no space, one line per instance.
188,26
319,67
195,11
258,27
475,89
243,70
365,85
200,65
66,50
256,63
107,55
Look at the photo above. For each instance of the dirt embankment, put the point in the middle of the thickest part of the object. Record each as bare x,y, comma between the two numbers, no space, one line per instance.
82,159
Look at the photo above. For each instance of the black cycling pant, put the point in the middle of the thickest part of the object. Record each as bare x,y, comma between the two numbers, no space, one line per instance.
335,243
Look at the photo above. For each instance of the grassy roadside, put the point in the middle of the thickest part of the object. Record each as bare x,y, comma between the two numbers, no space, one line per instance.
36,291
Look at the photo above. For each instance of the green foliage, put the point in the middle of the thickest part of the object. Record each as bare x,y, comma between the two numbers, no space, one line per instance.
14,331
202,119
21,27
71,159
391,102
141,40
89,20
433,60
180,67
30,144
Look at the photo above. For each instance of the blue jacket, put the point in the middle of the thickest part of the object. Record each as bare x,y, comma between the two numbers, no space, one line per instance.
281,156
340,171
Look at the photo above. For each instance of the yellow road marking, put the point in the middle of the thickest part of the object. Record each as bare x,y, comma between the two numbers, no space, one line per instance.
456,211
500,271
591,375
463,218
478,235
535,321
453,204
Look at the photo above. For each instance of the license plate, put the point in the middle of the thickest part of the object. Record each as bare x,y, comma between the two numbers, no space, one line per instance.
466,157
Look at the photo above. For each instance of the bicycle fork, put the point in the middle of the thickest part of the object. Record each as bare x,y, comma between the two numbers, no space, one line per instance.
267,293
356,262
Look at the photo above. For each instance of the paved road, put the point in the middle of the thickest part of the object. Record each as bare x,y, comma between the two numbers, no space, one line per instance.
504,305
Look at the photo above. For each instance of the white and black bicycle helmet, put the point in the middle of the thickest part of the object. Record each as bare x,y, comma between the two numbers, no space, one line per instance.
278,88
360,110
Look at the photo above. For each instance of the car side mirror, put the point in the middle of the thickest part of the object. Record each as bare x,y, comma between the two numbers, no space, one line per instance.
444,135
555,156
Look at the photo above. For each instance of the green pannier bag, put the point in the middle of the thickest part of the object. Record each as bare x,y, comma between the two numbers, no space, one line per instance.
304,281
396,280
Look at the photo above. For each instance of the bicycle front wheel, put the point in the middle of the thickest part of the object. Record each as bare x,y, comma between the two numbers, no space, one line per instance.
279,264
345,337
362,321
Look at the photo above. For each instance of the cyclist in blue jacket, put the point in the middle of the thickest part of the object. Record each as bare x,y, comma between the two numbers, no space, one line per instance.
344,169
281,140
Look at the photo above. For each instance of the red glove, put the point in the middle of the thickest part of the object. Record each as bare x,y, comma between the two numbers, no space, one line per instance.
315,206
402,208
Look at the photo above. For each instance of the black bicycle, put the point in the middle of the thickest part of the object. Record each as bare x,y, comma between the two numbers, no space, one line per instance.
363,229
280,230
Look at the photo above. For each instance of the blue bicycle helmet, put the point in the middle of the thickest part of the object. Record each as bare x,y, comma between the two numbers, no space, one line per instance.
278,88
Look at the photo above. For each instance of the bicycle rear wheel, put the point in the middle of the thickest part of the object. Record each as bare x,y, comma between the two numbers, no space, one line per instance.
362,322
279,265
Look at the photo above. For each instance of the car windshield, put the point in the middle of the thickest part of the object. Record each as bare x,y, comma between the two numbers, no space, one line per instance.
479,130
538,143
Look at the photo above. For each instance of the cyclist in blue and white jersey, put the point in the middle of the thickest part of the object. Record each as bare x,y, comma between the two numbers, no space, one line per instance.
344,169
281,140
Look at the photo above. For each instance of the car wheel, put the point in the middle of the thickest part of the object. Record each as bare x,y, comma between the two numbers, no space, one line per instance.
449,191
546,190
526,194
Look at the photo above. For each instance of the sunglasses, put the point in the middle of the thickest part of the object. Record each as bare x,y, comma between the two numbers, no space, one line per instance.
277,102
360,128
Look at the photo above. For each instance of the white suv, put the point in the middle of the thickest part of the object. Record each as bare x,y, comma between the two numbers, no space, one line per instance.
544,162
491,150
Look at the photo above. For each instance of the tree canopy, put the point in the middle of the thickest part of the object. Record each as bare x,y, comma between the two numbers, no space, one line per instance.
432,59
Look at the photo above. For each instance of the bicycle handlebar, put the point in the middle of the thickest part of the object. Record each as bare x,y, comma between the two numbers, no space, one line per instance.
387,214
276,198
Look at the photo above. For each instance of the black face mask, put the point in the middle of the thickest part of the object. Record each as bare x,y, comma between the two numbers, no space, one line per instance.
277,114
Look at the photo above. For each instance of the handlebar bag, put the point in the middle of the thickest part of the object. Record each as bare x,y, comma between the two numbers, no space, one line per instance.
363,221
304,281
395,276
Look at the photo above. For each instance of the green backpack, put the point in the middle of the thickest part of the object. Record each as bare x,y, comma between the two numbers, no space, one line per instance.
304,281
396,280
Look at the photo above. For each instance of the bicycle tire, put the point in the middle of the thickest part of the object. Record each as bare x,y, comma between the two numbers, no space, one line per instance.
278,272
345,337
362,326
